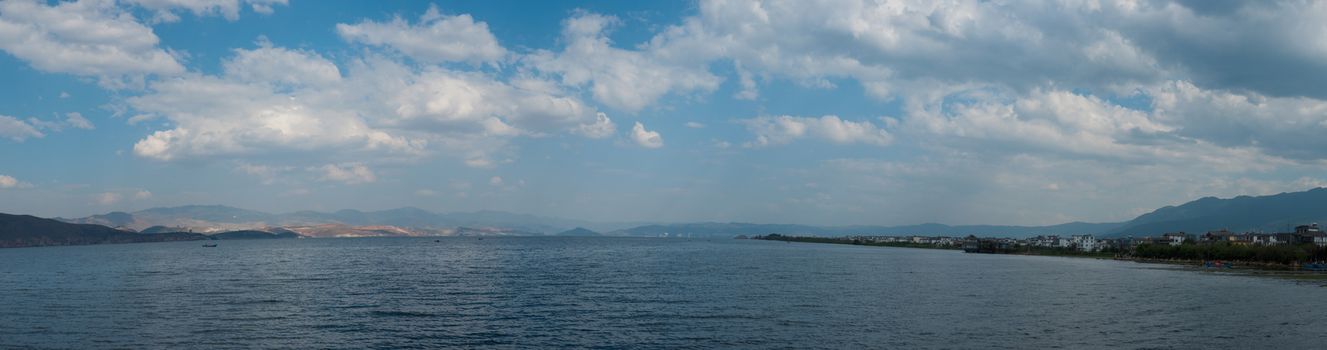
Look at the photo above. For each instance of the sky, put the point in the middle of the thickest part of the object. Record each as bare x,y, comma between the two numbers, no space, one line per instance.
800,111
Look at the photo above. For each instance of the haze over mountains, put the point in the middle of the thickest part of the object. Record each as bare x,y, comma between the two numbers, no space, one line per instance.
393,222
1244,213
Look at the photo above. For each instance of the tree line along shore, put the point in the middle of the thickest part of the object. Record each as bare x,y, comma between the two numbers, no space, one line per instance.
1213,249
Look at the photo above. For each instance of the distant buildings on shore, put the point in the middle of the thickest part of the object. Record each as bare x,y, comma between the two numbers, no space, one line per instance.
1303,234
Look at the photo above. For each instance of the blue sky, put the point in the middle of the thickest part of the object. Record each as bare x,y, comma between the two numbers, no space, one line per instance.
817,112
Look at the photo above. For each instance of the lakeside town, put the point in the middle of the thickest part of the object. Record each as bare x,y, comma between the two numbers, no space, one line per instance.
1304,248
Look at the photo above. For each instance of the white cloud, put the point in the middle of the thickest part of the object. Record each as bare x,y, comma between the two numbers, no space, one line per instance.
784,129
267,64
424,192
64,94
495,181
88,38
624,79
261,8
645,138
1063,124
1282,126
76,120
350,174
17,130
248,109
272,99
694,125
602,127
436,38
142,194
72,119
165,10
887,46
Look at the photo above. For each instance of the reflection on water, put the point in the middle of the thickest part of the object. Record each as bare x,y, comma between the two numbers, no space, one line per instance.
628,292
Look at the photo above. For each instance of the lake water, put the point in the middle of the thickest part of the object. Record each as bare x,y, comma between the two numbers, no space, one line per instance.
569,292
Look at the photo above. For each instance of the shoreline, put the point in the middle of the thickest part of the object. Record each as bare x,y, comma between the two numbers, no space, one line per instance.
1238,267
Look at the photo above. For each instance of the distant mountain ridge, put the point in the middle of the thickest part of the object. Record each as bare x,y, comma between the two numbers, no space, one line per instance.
31,231
218,218
1271,213
410,221
1243,213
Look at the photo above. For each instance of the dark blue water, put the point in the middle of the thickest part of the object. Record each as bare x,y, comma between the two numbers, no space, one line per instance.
628,293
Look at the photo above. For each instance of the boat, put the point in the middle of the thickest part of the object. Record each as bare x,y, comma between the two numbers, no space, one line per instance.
209,245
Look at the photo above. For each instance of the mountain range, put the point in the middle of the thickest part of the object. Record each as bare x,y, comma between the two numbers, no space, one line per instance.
1270,213
31,231
216,218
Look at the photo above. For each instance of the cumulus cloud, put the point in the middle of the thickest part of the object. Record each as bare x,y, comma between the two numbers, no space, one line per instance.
267,64
272,99
1282,126
17,130
1183,126
625,79
227,117
784,129
87,38
349,174
890,47
646,138
602,127
435,38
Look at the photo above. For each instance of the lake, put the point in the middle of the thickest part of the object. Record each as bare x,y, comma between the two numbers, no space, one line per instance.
573,292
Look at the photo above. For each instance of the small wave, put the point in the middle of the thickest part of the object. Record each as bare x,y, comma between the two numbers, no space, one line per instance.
398,313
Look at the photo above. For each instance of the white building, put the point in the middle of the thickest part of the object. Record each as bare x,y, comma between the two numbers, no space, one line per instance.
1174,238
1084,243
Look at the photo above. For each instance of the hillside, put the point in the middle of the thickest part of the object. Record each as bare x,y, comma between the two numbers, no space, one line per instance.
1272,213
31,231
252,234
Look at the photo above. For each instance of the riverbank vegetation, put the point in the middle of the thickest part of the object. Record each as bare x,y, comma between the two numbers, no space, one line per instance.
1225,251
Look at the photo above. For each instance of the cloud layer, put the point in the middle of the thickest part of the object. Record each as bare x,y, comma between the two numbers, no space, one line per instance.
1042,104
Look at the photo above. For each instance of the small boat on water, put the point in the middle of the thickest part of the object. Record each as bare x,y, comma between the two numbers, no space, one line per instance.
209,245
